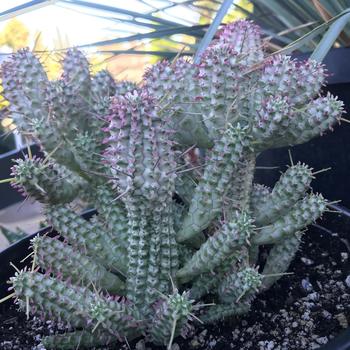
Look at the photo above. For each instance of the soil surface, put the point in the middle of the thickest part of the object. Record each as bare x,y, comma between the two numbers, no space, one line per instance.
301,311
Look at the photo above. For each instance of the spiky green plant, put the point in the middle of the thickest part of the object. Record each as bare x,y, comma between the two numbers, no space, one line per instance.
173,224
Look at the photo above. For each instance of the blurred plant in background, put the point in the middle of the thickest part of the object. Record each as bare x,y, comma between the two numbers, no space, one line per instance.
208,9
15,35
286,21
153,30
52,59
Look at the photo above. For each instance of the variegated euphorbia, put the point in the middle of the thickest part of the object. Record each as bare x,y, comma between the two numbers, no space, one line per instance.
169,167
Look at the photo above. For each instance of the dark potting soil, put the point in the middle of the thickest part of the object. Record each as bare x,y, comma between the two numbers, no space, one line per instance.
301,311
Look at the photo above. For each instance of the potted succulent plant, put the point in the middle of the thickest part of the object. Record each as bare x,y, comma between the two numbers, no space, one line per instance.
181,238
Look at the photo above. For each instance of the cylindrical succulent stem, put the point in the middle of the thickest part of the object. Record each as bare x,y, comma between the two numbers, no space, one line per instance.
208,198
219,247
302,214
239,193
170,317
220,312
74,305
241,285
209,282
61,259
46,182
78,340
112,213
291,186
279,259
85,236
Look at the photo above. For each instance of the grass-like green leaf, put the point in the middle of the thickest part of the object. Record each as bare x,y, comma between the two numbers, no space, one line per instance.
340,19
212,29
331,36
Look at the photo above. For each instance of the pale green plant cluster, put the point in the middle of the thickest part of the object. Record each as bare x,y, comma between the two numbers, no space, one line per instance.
169,167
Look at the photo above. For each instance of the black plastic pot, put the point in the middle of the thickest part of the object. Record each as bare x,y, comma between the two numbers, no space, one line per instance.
16,252
8,194
7,143
331,150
